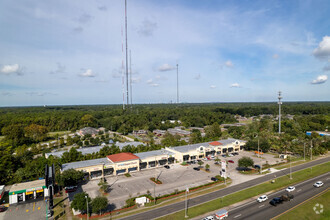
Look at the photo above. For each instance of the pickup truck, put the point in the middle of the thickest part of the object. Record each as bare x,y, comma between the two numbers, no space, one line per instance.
221,214
281,199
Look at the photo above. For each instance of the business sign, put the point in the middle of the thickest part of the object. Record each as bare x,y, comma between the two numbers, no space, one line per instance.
29,193
126,164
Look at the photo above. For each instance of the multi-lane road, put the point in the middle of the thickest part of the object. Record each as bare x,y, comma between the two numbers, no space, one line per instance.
263,210
166,210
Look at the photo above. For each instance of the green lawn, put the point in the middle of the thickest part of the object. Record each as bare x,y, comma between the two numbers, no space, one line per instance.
305,210
279,183
60,133
59,207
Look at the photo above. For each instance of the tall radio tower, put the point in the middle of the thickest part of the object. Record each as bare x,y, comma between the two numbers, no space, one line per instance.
177,83
127,96
279,111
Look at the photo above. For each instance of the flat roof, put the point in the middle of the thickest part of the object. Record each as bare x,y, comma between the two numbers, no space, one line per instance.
27,185
187,148
85,163
133,143
154,153
124,156
84,151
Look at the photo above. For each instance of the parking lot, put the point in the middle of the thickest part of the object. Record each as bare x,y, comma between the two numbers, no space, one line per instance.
30,210
178,177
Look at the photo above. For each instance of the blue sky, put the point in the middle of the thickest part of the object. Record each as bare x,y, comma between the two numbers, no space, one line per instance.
70,52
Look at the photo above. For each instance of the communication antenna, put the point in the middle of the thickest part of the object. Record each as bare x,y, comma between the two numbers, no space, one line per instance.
177,83
126,53
130,75
279,111
122,67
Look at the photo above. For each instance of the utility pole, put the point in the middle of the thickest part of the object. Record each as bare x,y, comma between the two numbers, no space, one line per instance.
186,205
177,83
279,111
311,150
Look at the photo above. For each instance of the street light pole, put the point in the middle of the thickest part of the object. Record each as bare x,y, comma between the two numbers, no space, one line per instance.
304,152
311,149
186,205
87,206
290,169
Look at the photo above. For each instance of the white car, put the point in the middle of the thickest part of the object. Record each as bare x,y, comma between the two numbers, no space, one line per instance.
230,155
209,218
262,198
318,184
290,189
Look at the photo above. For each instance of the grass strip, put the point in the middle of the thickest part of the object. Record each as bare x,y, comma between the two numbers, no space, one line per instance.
306,210
233,198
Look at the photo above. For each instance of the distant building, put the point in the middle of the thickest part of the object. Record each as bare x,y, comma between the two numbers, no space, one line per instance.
88,130
178,131
140,132
159,133
321,133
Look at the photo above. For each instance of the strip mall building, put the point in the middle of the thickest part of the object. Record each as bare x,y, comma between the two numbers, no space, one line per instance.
122,163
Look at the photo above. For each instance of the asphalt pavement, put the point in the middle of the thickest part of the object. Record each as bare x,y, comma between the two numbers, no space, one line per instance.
263,210
169,209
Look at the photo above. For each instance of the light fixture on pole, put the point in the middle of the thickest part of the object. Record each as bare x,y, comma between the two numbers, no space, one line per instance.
186,206
87,207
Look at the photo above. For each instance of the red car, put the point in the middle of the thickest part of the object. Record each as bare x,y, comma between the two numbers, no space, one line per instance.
230,161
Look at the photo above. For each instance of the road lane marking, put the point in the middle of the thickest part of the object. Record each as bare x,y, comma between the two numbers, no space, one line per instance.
262,206
34,205
298,190
237,216
326,190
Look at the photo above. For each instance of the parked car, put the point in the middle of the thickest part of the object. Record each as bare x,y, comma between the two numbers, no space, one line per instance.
275,201
212,157
216,163
318,184
209,218
257,167
262,198
230,155
3,208
290,189
214,179
224,155
167,166
196,168
70,189
230,161
235,153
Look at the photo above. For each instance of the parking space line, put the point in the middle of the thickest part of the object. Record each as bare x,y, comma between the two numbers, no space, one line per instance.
262,206
27,210
298,190
38,208
34,205
237,216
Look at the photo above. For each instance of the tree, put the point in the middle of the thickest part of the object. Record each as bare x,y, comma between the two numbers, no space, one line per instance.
70,177
213,131
245,162
103,186
79,202
36,133
207,167
88,120
14,133
200,163
195,137
99,204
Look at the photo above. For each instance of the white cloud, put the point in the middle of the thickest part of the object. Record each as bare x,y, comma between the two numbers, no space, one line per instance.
39,93
154,84
235,85
320,79
60,69
275,56
136,80
213,86
87,73
8,69
197,77
149,81
323,50
166,67
228,63
147,28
